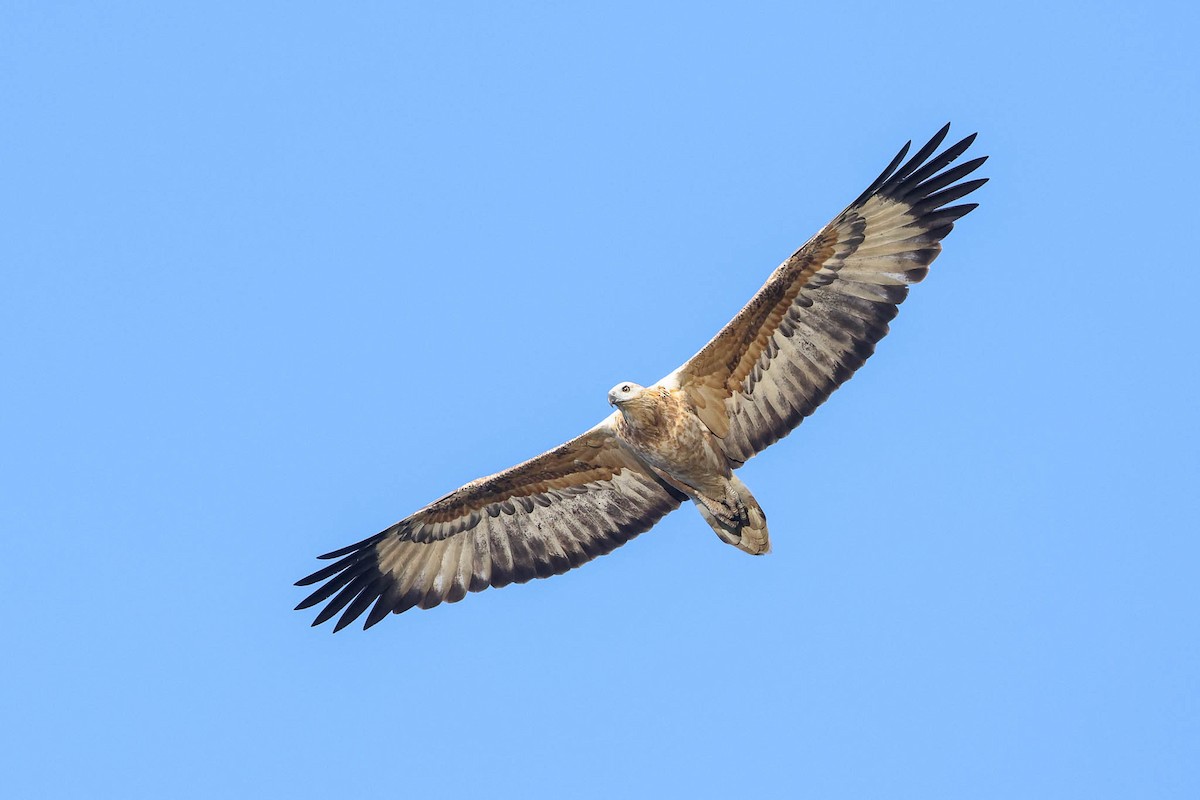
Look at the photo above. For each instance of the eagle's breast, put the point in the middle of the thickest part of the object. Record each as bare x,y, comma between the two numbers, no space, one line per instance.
662,427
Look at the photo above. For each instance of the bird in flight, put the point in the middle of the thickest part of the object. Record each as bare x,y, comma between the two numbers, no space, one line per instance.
812,324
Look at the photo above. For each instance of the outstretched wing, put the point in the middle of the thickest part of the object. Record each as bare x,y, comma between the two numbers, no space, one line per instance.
819,315
540,518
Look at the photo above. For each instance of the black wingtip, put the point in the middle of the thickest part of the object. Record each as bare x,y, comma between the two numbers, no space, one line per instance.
343,551
328,612
939,137
885,175
308,602
336,553
329,571
901,176
926,182
367,542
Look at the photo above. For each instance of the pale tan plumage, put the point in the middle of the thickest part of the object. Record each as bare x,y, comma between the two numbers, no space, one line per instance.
813,323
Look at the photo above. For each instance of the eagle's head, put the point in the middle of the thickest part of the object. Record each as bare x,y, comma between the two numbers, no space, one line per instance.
623,392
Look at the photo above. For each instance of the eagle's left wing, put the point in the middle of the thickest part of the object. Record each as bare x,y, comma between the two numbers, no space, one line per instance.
820,314
540,518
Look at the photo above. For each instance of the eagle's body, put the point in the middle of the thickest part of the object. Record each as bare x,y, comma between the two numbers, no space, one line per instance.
661,427
811,325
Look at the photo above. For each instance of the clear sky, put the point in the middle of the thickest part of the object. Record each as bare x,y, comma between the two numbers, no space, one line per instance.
275,275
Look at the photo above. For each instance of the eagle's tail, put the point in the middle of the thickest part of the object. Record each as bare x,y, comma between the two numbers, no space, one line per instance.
737,518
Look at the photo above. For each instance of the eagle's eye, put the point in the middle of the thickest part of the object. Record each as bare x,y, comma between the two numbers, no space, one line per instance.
625,388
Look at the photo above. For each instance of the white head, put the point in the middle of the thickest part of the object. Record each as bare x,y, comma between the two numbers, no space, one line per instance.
623,392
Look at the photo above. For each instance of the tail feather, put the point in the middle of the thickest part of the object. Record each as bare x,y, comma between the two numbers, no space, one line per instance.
737,518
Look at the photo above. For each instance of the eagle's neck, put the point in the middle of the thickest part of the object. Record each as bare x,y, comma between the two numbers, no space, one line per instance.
640,415
646,411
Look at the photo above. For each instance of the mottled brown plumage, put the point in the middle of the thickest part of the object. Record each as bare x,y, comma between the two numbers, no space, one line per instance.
813,323
662,428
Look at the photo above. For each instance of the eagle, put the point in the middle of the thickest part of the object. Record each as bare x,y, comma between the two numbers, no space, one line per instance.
812,324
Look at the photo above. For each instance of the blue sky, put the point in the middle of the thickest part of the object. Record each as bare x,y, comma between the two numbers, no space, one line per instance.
276,275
